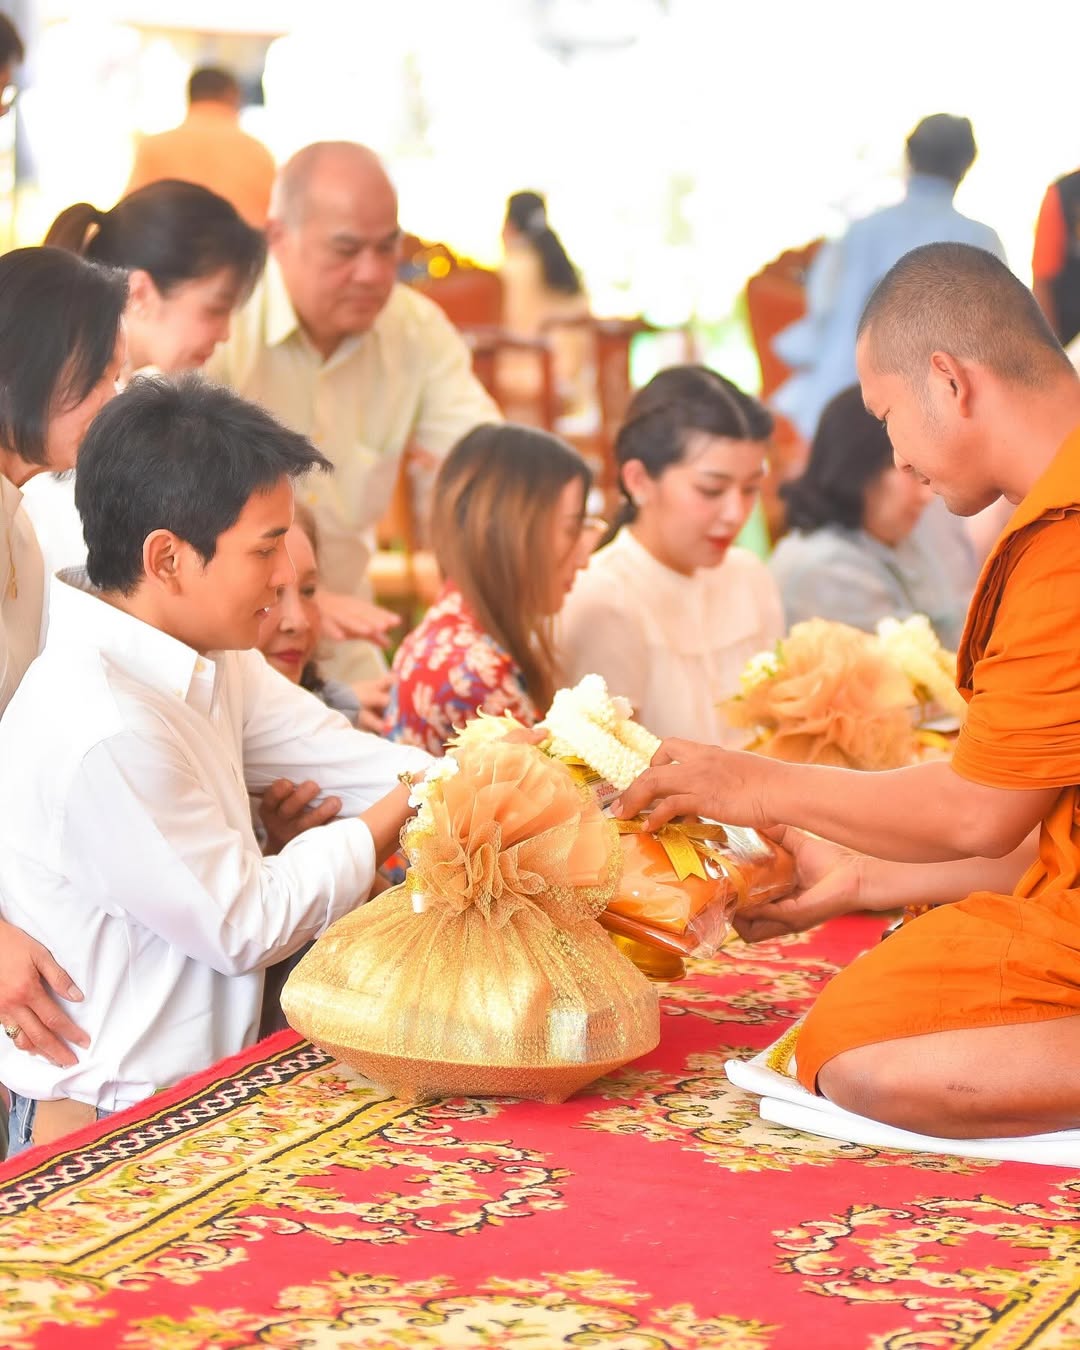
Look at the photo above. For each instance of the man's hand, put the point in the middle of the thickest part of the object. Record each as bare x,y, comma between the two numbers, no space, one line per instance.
687,779
286,811
828,882
27,973
374,695
346,616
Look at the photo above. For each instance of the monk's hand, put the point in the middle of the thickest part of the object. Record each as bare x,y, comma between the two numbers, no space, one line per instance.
828,881
286,811
30,983
346,617
687,779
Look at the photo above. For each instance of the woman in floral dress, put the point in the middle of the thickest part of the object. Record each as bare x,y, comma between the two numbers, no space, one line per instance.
510,533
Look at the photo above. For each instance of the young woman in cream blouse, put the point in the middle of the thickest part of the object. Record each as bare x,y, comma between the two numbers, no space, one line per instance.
669,611
61,349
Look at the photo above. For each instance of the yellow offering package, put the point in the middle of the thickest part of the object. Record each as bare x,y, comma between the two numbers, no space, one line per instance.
486,973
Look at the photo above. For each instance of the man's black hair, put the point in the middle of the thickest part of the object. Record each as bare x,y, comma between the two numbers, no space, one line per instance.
181,455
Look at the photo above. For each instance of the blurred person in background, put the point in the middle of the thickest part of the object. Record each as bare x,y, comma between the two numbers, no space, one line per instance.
210,148
12,54
670,611
1055,263
849,555
820,347
541,286
191,261
365,367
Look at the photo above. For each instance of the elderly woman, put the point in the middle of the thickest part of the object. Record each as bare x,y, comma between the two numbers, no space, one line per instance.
850,555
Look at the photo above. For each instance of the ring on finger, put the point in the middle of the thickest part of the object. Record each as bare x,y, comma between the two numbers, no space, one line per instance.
12,1031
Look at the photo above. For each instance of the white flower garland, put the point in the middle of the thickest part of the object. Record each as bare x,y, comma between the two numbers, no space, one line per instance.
587,724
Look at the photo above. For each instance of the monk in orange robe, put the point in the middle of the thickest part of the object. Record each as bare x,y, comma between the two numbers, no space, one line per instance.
966,1021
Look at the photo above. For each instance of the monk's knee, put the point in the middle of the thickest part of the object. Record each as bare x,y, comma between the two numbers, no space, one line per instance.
877,1082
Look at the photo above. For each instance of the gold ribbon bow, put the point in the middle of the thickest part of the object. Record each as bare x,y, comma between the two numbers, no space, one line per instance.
688,845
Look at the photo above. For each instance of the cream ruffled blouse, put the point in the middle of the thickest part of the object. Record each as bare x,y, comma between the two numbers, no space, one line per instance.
22,591
674,645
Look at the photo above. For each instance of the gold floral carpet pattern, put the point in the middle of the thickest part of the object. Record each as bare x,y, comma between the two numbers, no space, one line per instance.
280,1201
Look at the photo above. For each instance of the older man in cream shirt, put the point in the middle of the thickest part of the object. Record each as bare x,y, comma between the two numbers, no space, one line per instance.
365,367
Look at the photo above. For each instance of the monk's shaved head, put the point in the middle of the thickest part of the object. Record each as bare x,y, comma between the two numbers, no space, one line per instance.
963,301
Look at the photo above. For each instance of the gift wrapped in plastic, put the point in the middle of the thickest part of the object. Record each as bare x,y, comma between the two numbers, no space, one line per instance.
679,888
486,973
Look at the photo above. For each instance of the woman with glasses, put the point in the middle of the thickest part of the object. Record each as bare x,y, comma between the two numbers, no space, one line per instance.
670,611
510,533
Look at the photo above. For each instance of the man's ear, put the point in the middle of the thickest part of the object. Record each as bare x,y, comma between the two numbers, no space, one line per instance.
275,232
163,560
952,380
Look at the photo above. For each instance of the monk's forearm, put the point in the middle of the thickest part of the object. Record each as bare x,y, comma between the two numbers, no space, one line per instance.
891,885
922,814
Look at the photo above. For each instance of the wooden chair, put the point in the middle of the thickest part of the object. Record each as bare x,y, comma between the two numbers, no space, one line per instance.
404,576
403,573
775,298
611,341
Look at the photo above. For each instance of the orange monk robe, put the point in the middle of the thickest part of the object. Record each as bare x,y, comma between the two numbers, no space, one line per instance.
210,148
993,960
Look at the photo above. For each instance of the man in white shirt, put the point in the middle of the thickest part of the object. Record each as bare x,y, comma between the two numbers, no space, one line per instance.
363,366
134,741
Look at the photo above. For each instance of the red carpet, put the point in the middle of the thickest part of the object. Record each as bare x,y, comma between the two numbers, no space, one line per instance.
274,1202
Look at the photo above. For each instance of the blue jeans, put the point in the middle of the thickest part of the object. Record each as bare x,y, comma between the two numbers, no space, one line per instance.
21,1124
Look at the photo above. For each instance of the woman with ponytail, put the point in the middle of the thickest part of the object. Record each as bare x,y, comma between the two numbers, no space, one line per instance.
670,611
541,286
191,262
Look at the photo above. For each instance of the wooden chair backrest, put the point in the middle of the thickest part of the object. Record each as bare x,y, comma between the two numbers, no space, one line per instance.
775,297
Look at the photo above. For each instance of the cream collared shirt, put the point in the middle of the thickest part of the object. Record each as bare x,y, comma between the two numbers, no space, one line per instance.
21,590
673,645
408,380
127,849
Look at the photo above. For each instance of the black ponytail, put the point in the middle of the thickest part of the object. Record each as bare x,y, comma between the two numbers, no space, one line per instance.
527,213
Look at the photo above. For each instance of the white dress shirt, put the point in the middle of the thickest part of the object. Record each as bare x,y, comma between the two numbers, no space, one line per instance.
127,849
407,380
673,645
21,591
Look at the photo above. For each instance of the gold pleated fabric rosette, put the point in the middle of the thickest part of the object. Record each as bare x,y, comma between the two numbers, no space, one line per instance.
486,973
828,694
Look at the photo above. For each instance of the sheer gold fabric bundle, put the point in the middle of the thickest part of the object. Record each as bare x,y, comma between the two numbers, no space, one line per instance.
487,973
831,695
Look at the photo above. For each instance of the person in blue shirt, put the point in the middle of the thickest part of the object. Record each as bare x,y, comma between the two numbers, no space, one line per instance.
820,347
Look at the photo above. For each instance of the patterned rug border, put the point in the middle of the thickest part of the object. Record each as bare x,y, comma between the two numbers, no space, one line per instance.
89,1152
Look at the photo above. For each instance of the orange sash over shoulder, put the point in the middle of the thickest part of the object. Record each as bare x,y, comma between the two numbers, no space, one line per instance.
992,960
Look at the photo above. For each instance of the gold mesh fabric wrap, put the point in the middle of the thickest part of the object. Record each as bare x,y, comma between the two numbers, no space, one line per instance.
503,984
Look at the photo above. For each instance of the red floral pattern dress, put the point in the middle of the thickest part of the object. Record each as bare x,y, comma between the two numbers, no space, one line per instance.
445,672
